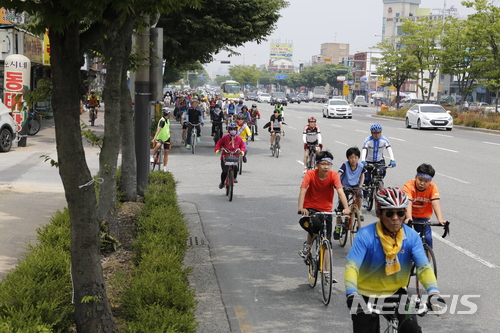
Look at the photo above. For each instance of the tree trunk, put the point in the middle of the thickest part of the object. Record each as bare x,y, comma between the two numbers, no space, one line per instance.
117,59
128,181
92,309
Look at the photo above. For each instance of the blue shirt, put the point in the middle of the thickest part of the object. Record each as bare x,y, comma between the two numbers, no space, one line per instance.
349,177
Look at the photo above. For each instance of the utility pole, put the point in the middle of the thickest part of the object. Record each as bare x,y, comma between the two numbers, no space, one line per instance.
142,106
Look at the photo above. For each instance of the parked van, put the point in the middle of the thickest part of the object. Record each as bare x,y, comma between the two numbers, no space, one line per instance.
360,101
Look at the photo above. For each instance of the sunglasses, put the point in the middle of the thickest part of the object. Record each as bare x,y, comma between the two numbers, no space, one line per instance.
399,213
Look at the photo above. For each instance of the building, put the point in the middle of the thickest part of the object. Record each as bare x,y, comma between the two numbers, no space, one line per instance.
331,53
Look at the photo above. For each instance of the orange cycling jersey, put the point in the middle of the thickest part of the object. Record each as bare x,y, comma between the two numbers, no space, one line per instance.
320,193
421,206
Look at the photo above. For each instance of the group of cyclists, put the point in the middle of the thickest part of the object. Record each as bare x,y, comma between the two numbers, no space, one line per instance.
379,262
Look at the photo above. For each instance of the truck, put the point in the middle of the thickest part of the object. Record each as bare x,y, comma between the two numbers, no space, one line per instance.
319,95
360,100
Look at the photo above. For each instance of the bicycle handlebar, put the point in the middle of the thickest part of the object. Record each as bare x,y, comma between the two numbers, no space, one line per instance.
446,226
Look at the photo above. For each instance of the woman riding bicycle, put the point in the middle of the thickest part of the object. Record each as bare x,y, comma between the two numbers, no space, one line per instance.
231,142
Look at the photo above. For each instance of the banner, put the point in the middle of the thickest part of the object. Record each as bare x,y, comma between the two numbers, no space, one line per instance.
46,48
16,82
281,50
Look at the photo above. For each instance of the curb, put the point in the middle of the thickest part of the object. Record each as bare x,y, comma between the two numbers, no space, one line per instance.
210,311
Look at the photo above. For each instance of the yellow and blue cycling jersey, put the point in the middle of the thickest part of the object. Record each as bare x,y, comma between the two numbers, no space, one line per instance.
365,267
244,131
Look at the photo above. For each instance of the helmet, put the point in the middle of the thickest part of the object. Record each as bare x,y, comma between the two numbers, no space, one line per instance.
166,111
240,116
254,105
232,126
244,107
376,128
391,197
311,119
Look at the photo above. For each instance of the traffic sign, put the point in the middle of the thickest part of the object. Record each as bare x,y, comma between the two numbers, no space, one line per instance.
247,86
340,78
281,76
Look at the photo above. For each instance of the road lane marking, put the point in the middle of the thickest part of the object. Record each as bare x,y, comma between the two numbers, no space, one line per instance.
243,321
300,162
444,135
334,125
397,139
451,151
290,127
464,251
361,131
453,178
341,143
491,143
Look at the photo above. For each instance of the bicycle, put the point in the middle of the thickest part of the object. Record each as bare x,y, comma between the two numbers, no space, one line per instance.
158,158
193,135
252,129
34,123
92,114
391,310
376,182
311,157
428,251
351,223
275,151
230,162
217,131
317,261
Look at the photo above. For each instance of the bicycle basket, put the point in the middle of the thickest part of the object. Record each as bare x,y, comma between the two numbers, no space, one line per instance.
231,160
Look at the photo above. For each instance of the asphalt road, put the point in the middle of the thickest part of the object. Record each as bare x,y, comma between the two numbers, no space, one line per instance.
254,239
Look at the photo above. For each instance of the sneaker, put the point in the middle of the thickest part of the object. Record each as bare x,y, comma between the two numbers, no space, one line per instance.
305,170
221,185
244,159
165,169
304,252
336,232
256,134
272,147
152,159
198,139
361,217
235,181
365,203
188,146
326,275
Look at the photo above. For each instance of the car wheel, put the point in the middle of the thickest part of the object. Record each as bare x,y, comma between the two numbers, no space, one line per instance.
5,140
324,115
449,128
350,117
419,124
407,122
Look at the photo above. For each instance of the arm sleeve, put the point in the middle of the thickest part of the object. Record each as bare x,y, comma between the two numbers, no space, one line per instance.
391,154
319,138
304,137
363,154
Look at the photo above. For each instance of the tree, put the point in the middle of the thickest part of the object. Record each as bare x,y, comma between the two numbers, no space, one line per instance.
194,35
421,39
462,56
397,65
245,74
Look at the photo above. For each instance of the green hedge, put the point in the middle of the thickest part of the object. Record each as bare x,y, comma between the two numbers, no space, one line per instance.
159,298
36,295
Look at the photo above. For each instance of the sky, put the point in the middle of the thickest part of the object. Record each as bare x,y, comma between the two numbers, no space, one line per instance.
309,23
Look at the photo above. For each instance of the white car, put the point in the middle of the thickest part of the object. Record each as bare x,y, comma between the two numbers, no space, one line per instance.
264,98
8,128
429,116
337,108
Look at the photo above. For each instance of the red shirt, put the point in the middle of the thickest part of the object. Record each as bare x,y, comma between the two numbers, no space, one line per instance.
320,193
421,201
230,144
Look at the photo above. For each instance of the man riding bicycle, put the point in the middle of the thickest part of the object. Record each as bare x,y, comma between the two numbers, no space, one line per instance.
379,263
276,127
373,152
93,104
311,135
255,114
194,116
316,195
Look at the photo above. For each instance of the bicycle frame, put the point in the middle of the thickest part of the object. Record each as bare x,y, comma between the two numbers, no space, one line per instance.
376,182
230,161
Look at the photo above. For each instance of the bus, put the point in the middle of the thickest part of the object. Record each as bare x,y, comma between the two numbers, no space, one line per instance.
230,89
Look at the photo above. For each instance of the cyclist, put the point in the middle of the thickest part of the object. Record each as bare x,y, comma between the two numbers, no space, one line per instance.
195,117
244,132
230,109
316,195
239,106
311,135
162,135
217,117
93,103
247,117
276,126
352,174
373,152
379,263
255,114
279,107
231,142
424,197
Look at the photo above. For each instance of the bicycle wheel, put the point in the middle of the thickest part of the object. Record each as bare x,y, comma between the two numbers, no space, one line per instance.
310,161
216,134
432,258
371,195
240,165
313,263
356,222
326,266
34,126
92,117
276,146
253,133
157,161
231,184
193,141
344,231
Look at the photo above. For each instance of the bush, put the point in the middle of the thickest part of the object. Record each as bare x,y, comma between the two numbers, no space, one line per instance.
35,296
159,298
